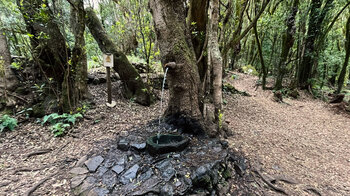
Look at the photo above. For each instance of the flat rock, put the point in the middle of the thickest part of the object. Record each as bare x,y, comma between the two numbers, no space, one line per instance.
77,180
109,179
78,170
167,190
88,183
118,169
146,175
129,175
93,163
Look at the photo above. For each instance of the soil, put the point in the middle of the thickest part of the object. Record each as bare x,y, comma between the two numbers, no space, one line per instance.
303,139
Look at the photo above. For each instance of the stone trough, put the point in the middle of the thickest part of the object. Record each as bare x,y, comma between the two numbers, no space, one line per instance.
125,167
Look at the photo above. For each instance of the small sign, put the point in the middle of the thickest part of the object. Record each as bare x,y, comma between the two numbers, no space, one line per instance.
108,60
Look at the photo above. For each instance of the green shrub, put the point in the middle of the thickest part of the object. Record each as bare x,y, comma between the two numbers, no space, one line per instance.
59,123
7,122
249,69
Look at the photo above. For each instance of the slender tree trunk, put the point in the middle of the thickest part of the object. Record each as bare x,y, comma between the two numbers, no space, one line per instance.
216,61
346,61
133,82
287,44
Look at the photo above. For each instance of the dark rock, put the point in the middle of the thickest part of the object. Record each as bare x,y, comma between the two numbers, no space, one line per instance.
224,144
167,190
129,175
93,163
118,169
78,170
163,164
146,175
77,180
140,147
148,186
90,78
109,179
123,145
98,191
168,173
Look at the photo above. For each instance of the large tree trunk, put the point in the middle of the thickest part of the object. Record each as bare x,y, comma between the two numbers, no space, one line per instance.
133,82
287,44
314,31
8,81
176,46
347,55
50,50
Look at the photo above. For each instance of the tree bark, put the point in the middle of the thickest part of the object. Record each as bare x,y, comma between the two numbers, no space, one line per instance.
132,80
176,46
314,31
287,44
347,55
8,79
216,61
49,45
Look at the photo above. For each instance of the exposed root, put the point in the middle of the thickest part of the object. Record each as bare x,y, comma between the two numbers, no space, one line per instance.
31,190
268,182
39,152
28,169
311,189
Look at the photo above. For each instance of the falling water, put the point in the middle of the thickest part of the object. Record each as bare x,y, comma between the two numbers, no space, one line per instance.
161,100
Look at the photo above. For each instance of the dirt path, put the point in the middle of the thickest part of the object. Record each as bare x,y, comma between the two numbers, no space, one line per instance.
305,140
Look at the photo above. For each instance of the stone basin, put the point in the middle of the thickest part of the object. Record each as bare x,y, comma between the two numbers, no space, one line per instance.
165,143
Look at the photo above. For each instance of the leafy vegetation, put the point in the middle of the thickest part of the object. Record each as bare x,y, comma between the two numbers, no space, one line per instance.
60,123
7,122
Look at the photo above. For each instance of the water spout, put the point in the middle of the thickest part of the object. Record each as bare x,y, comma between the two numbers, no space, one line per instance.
161,96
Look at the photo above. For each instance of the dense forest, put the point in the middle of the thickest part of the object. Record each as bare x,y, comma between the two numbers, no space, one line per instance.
198,52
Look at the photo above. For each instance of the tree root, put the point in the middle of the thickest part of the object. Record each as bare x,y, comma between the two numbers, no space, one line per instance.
28,169
313,190
39,152
268,182
31,190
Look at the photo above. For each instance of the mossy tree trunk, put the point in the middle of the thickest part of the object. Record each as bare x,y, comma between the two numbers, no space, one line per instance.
216,61
74,86
287,44
50,50
347,55
131,78
8,80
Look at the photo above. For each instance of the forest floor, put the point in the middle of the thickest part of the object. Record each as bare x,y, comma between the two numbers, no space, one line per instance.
305,140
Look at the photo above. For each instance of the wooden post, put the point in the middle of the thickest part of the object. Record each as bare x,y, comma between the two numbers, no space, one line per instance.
108,63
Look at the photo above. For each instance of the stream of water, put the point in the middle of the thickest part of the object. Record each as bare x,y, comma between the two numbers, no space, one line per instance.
161,100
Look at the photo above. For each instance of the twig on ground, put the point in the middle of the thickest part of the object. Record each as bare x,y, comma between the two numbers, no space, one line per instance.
26,169
39,152
313,190
31,190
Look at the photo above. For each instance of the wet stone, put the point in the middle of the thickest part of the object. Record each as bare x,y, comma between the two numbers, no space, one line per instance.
77,180
118,169
129,175
109,179
93,163
123,145
78,171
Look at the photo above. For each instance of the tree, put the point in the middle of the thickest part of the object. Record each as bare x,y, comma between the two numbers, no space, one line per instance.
347,55
7,78
132,80
316,19
287,44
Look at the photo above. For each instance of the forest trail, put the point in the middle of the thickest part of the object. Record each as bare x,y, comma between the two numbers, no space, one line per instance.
305,139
